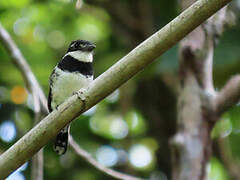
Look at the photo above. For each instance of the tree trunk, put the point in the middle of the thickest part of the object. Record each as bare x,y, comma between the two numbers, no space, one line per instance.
197,112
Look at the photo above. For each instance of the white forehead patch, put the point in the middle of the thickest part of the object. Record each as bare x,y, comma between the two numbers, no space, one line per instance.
81,56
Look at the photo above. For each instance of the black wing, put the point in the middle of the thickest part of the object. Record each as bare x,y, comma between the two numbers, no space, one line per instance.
50,99
53,75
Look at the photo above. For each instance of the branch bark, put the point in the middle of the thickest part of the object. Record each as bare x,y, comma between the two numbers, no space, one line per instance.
229,95
106,83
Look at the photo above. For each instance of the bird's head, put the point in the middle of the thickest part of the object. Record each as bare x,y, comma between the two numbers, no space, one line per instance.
81,45
81,50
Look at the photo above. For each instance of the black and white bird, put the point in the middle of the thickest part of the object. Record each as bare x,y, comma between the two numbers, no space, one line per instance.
73,72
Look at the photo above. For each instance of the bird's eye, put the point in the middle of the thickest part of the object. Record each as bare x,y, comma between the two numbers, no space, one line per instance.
76,45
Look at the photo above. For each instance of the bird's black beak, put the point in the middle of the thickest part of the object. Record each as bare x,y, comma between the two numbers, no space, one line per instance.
90,47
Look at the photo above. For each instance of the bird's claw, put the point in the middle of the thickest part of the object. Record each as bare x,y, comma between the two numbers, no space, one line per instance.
80,94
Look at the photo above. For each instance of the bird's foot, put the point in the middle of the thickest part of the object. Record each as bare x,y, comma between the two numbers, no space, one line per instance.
80,94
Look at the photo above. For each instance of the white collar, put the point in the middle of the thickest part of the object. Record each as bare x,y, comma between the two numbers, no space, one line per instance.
81,56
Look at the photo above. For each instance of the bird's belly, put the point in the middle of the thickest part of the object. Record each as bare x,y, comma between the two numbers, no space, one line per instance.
67,83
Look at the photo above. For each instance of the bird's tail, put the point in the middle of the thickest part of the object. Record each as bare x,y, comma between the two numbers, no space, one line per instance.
61,141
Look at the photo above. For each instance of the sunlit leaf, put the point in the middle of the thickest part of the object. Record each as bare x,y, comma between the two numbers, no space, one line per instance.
223,128
216,171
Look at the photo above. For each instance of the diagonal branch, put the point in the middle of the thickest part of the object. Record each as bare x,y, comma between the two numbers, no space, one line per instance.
81,152
106,83
37,160
35,90
24,68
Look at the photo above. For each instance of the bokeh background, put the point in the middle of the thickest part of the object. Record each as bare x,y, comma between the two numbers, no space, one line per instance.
130,130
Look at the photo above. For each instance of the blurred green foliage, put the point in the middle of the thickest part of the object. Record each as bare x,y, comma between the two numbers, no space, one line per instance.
216,170
43,29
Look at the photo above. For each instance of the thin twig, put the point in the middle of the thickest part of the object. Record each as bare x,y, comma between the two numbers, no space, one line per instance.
37,166
37,160
33,88
22,65
87,156
214,27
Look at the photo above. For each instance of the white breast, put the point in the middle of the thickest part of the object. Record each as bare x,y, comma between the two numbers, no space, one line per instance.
65,84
